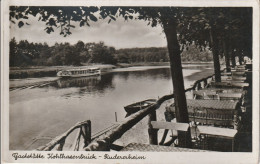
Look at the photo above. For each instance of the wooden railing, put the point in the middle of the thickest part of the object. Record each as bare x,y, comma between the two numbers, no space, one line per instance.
84,130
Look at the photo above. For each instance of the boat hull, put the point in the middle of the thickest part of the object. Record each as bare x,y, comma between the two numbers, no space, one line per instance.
135,107
80,75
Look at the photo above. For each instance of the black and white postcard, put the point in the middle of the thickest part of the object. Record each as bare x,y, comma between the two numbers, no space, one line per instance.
129,81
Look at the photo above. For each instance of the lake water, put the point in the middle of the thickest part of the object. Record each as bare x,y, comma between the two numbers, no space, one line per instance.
50,106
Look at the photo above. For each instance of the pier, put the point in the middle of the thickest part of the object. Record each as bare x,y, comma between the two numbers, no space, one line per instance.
220,119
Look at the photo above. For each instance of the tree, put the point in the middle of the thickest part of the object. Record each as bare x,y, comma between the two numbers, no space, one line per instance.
13,52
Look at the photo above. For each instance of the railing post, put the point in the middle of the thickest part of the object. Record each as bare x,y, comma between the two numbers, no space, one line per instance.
199,85
60,145
86,132
75,145
153,133
205,83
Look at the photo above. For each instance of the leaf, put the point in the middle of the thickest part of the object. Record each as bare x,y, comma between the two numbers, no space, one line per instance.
112,18
154,23
49,30
109,21
93,9
82,23
20,15
140,17
92,17
12,14
20,24
71,26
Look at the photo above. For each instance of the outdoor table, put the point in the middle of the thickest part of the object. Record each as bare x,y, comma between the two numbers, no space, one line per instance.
230,84
208,94
226,74
241,66
215,112
232,78
157,148
236,73
224,77
222,90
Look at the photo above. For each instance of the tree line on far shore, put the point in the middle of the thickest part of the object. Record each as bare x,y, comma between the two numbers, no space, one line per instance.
24,53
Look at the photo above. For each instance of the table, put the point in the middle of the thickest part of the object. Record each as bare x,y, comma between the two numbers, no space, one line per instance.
224,90
216,112
235,78
214,95
230,84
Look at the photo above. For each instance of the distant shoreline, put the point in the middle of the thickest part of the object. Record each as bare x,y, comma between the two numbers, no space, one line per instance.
51,71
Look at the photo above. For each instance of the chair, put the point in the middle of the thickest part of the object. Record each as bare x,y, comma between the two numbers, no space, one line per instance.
180,127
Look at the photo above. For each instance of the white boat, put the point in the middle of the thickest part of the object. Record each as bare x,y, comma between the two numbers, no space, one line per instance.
79,72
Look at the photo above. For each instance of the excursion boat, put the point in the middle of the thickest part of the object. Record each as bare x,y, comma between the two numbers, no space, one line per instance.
79,72
135,107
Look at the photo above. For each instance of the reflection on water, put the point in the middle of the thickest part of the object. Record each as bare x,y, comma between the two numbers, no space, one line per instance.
49,110
77,82
100,84
105,81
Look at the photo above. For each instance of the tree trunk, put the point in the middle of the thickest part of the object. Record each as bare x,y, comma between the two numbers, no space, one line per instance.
177,80
240,57
233,59
214,43
227,57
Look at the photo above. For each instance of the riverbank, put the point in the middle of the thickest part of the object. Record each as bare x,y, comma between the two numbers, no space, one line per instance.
51,71
48,71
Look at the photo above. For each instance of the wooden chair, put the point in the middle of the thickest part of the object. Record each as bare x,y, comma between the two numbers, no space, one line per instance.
182,127
207,132
206,95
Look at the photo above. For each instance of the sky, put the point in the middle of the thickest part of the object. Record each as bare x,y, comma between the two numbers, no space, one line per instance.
119,33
